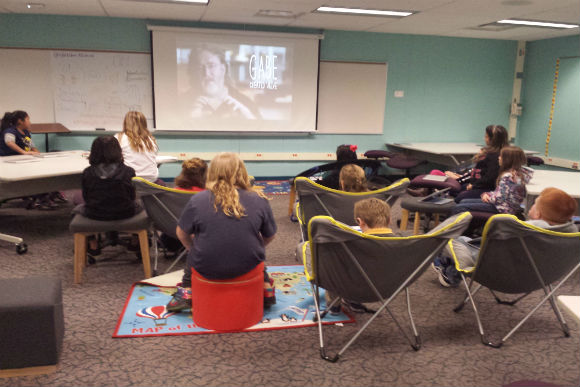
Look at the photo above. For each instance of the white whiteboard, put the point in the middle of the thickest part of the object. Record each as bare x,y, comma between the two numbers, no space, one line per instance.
83,90
351,97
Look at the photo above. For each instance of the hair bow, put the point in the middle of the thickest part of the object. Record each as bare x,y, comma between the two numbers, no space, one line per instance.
353,148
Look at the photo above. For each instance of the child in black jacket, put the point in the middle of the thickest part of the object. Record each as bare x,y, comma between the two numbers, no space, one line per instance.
106,185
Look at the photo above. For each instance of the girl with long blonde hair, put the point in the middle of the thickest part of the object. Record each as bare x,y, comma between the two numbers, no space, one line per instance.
352,178
225,229
139,146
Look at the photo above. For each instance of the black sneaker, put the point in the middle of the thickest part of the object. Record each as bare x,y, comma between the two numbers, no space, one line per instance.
357,307
335,310
58,197
179,302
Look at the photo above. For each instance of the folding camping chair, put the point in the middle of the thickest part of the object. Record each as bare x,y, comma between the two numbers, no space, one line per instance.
366,268
373,172
518,258
315,199
164,206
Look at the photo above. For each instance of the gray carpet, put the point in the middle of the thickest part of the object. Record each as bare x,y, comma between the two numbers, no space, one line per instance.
452,354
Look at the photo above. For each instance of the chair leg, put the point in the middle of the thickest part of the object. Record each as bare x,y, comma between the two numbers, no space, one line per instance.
416,223
417,344
292,199
404,219
80,256
316,294
436,220
144,245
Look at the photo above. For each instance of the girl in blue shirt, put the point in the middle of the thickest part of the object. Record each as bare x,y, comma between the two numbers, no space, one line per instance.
15,139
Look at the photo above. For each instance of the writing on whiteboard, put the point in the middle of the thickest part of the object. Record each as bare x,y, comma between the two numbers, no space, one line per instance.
96,89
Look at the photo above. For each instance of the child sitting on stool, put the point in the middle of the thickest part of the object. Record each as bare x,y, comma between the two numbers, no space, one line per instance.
225,229
107,189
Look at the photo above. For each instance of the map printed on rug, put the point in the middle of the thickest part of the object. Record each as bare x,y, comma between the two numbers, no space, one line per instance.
145,315
273,187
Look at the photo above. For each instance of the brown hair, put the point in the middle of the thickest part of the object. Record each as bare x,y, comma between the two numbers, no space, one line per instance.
498,138
352,178
135,128
192,174
374,212
556,206
225,174
513,159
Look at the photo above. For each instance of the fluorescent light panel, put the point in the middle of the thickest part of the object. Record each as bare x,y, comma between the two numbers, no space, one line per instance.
533,23
34,5
189,1
359,11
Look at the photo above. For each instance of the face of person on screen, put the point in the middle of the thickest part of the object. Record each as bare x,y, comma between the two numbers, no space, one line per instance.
213,73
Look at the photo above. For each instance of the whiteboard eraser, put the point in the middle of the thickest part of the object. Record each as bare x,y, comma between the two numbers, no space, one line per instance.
99,128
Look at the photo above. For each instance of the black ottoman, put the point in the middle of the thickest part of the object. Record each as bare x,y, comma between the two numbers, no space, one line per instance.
31,322
418,206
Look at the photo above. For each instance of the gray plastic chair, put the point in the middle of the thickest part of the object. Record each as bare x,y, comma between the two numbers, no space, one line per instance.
366,268
164,206
518,258
315,199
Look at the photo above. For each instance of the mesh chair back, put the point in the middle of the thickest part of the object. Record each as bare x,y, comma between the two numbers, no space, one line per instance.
315,199
504,264
163,205
344,260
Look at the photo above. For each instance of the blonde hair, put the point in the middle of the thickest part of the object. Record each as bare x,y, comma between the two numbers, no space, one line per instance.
374,212
226,173
192,174
135,128
352,178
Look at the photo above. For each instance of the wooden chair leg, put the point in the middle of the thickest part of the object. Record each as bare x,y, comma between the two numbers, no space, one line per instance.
80,256
292,199
144,246
404,219
416,223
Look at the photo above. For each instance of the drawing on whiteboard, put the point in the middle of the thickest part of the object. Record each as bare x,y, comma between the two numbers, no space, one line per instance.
96,89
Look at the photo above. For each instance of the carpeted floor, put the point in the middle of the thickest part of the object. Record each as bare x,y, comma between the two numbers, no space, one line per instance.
451,355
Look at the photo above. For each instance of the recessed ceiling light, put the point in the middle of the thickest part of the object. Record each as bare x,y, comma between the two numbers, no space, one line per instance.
191,1
360,11
532,23
275,13
34,5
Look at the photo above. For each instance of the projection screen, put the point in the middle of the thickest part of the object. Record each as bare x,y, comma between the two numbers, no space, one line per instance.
234,81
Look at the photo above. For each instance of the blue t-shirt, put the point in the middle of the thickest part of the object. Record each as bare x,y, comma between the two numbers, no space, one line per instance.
225,247
24,141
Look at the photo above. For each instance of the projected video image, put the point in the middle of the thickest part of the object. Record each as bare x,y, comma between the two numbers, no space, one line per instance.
234,81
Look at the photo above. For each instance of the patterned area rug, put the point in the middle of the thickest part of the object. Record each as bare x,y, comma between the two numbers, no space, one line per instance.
274,187
145,315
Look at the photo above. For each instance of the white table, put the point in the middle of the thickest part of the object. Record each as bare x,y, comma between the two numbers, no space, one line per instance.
567,181
445,153
166,159
571,304
25,175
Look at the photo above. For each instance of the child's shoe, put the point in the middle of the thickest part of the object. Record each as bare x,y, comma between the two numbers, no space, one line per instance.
58,197
181,300
357,307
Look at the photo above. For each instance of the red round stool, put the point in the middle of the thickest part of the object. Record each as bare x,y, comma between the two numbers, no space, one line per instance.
228,305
